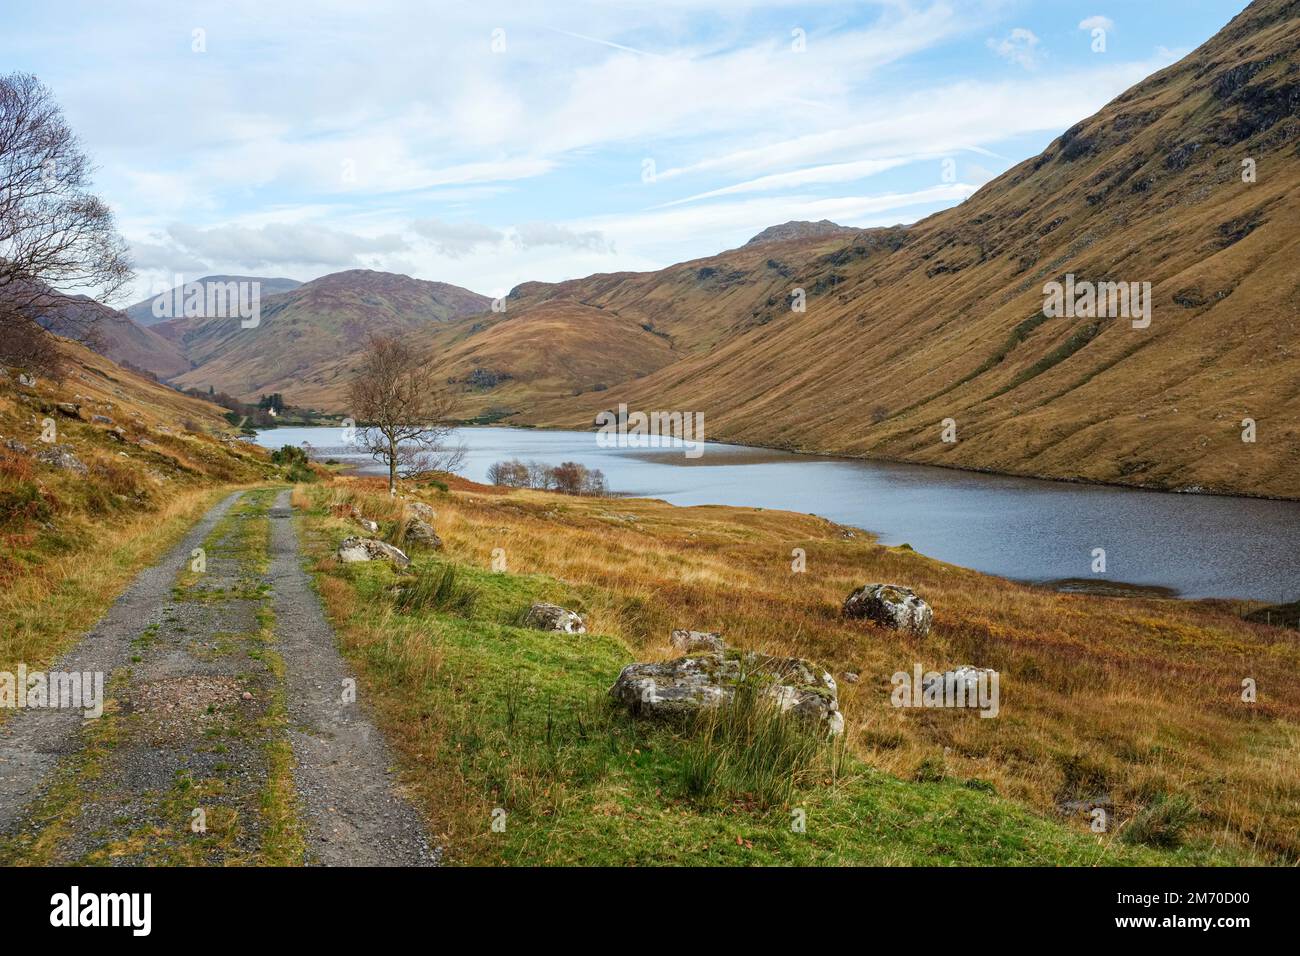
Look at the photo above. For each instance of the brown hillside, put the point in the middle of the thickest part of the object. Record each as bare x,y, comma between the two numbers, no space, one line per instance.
115,335
311,327
498,363
907,327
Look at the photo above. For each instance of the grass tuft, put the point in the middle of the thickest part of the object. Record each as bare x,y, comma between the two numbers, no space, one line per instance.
438,589
1163,822
749,750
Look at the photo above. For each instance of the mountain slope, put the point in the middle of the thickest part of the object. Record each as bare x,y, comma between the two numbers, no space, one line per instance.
116,336
944,319
802,229
311,327
499,363
142,312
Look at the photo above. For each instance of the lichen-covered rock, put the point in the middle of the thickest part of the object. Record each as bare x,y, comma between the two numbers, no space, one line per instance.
101,419
892,606
61,456
422,511
965,678
69,409
692,642
423,534
368,549
552,617
687,686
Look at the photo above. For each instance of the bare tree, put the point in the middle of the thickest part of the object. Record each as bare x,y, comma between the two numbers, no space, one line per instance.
511,474
403,412
57,240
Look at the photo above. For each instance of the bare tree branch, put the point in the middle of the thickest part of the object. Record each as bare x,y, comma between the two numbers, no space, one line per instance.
57,240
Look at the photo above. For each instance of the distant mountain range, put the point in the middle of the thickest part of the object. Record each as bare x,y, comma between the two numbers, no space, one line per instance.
1189,181
142,313
305,330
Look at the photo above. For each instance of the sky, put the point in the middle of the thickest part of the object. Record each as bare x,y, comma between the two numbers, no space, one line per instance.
487,144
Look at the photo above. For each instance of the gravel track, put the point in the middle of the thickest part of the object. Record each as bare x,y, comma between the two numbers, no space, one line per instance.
32,741
191,723
344,770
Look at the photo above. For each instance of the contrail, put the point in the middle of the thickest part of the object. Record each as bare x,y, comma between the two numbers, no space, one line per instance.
616,46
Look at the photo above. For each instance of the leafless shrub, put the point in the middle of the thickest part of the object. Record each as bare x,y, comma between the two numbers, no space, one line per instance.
570,478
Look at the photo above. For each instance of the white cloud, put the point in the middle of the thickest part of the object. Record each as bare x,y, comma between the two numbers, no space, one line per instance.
1020,46
731,223
529,235
456,239
1097,22
831,173
279,244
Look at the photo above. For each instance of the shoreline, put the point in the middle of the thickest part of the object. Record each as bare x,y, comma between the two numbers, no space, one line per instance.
1103,587
969,469
893,460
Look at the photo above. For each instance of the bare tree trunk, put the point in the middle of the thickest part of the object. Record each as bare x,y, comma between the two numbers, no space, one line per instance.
392,469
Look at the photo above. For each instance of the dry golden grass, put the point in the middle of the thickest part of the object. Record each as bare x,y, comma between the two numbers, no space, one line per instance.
45,608
71,542
1133,698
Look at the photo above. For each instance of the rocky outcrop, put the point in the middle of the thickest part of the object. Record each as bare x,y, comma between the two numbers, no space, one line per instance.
692,642
552,617
892,606
688,686
368,549
422,533
61,456
802,229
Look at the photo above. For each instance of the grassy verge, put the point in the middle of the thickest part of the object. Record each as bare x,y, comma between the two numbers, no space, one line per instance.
66,585
497,724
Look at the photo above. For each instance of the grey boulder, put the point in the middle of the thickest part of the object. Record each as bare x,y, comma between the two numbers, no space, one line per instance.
688,686
423,534
368,549
692,642
552,617
422,511
61,456
892,606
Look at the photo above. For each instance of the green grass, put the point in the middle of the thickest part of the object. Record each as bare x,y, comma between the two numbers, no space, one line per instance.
436,589
488,716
